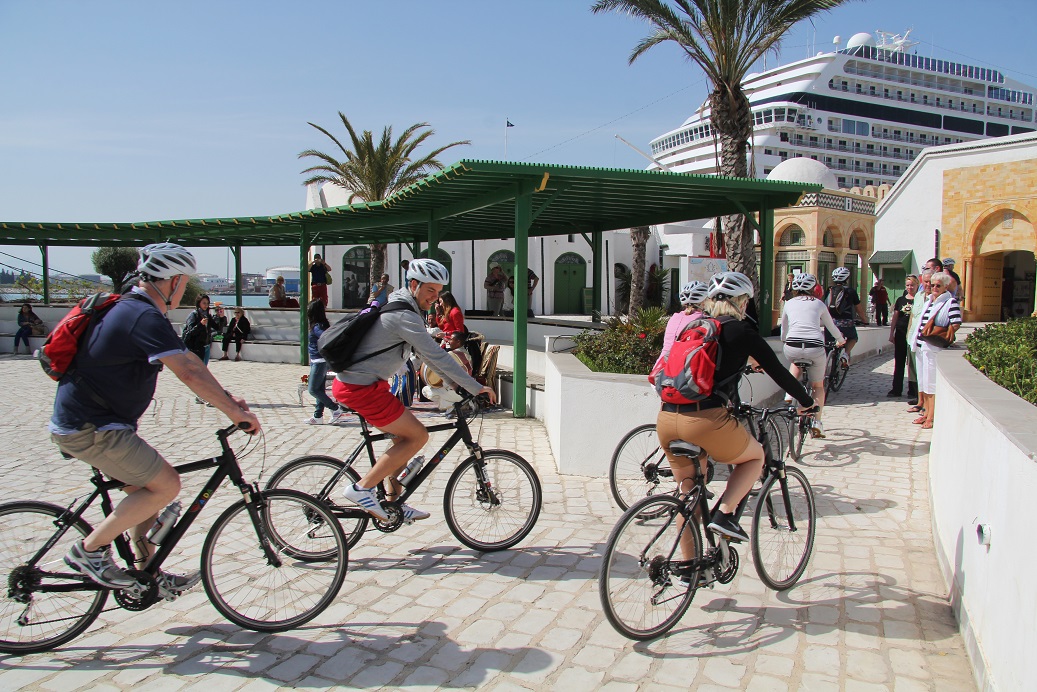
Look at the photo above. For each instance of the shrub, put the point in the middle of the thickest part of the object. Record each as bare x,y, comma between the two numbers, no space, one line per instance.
624,346
1007,354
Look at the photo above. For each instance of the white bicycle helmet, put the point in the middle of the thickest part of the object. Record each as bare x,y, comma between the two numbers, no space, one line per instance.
730,285
840,274
164,261
428,271
693,293
803,282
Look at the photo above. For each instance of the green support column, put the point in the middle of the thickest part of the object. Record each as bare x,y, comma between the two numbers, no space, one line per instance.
304,297
46,274
236,251
766,270
433,238
523,219
596,279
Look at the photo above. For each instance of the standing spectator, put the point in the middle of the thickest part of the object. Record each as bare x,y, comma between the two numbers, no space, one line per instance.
942,310
317,384
508,306
27,319
319,274
880,302
532,281
451,319
917,308
197,332
380,292
494,285
788,292
948,268
237,332
898,337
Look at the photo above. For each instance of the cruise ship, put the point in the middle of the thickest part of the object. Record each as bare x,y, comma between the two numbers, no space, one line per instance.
865,111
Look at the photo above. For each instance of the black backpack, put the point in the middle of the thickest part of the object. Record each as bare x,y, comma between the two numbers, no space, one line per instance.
339,342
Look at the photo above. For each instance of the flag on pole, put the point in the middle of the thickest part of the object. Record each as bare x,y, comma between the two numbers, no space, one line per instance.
508,123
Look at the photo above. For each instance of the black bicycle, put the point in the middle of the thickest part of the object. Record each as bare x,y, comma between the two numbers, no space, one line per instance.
492,499
655,559
252,562
800,429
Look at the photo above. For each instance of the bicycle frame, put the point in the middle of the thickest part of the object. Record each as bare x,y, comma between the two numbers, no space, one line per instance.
226,466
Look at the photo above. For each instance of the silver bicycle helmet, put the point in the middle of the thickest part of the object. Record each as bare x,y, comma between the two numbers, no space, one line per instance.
428,271
840,274
730,285
693,293
803,282
164,261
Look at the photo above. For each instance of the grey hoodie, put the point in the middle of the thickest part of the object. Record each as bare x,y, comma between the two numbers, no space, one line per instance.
392,328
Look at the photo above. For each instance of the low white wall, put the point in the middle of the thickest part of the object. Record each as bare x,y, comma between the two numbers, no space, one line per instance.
587,413
983,471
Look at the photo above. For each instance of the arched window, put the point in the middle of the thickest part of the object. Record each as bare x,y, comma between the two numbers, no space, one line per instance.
828,240
356,271
506,260
793,235
855,240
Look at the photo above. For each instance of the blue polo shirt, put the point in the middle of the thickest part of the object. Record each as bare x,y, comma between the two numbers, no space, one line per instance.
119,362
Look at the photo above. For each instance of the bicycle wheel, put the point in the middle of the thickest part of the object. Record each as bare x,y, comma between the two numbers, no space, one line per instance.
780,552
799,430
838,374
253,592
830,368
638,466
641,593
776,439
492,504
311,474
32,620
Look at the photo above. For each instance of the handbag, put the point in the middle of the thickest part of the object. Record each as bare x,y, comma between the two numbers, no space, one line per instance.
935,335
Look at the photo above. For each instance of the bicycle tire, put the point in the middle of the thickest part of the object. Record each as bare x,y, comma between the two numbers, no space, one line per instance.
57,617
633,469
640,593
775,438
839,376
512,511
253,593
798,435
779,554
830,367
311,474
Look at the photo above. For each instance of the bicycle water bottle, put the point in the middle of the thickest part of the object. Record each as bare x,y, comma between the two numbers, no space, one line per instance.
164,523
411,470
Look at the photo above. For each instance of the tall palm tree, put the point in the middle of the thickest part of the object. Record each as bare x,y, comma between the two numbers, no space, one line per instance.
639,239
373,172
725,38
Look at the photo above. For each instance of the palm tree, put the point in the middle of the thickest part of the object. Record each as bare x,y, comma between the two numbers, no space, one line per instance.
639,239
373,172
725,38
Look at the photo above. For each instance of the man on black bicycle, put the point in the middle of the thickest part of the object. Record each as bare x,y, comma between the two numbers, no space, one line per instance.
97,408
364,385
844,303
708,423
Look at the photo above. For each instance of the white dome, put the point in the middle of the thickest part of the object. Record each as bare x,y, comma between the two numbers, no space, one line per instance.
804,170
861,39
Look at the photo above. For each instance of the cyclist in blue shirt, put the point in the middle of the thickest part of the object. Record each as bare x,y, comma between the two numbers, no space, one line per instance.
96,411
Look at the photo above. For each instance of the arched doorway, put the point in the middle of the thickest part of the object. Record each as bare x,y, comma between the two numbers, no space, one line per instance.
506,260
1019,270
1001,285
356,272
443,257
570,280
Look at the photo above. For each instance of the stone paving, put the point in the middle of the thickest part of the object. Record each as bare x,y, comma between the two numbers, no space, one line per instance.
420,611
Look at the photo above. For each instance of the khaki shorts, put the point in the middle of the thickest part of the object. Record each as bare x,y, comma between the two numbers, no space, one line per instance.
715,430
120,454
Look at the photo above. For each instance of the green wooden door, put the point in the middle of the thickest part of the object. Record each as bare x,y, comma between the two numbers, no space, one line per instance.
570,279
356,270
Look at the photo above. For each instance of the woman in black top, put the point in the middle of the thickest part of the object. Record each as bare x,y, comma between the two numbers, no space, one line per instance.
898,337
709,424
237,331
198,329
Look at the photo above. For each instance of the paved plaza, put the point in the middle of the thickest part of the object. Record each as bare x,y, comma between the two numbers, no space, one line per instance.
419,611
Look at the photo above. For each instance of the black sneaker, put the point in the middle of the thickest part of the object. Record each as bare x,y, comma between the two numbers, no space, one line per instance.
726,525
913,401
893,393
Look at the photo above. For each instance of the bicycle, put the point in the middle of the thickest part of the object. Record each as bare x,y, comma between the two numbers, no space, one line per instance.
491,490
800,429
251,564
835,369
645,584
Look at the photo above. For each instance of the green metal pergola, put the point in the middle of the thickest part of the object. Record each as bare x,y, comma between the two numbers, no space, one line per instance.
470,200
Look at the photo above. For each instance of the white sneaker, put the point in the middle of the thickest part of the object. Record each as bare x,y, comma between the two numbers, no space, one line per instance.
817,430
844,360
410,514
338,416
313,420
171,585
366,499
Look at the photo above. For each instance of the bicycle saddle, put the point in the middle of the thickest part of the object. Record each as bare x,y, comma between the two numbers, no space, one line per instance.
685,449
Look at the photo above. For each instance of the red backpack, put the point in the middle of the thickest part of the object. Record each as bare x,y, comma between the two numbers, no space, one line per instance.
60,348
687,374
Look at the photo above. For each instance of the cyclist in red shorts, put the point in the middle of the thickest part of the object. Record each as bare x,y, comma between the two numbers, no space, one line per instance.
364,386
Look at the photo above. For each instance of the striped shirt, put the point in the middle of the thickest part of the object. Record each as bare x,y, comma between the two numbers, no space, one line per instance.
948,314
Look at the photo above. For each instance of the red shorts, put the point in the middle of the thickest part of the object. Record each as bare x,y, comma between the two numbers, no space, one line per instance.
319,292
372,401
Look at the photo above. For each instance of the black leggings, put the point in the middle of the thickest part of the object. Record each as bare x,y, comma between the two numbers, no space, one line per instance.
227,343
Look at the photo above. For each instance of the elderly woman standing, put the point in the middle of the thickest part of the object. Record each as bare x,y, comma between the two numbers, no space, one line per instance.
942,310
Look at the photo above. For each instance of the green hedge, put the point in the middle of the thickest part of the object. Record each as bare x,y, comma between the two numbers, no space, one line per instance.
1007,354
625,346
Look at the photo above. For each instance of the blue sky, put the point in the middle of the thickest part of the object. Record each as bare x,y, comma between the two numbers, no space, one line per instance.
134,111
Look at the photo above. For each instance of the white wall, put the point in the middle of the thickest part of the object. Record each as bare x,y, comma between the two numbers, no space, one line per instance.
983,470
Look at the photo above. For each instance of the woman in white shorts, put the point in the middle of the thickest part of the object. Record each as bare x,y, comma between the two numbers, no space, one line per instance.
803,321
